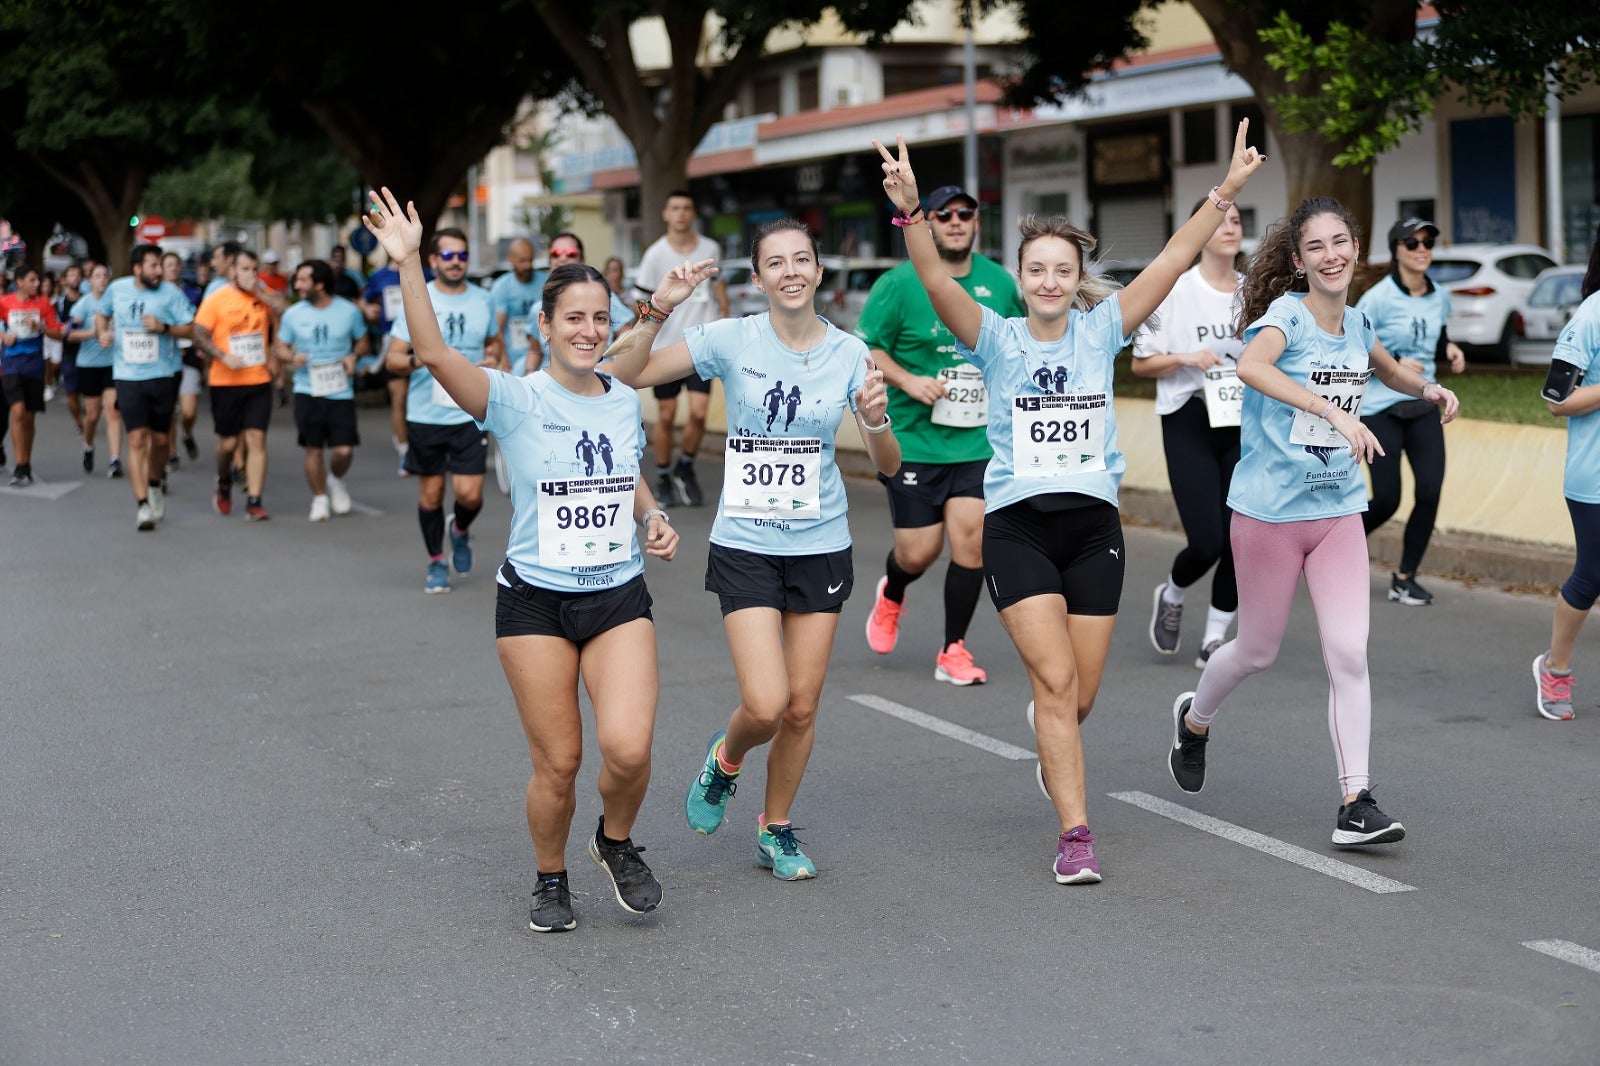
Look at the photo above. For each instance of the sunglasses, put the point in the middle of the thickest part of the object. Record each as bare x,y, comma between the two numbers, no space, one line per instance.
574,254
453,257
965,214
1412,242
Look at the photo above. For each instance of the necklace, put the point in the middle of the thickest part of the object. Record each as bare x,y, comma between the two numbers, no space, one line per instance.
805,353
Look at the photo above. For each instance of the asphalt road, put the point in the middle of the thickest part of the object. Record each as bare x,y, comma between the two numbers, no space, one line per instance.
263,803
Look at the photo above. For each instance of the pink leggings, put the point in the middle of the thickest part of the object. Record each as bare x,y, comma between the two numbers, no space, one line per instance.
1270,556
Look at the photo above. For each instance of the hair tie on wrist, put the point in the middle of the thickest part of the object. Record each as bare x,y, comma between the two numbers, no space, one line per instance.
903,218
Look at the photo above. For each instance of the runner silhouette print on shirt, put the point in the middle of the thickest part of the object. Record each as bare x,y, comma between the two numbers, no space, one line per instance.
585,451
604,446
773,399
793,402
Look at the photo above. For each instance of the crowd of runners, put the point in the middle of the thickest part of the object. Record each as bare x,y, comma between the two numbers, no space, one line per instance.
983,398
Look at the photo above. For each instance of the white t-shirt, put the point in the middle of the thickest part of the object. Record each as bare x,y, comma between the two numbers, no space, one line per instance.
700,307
1193,316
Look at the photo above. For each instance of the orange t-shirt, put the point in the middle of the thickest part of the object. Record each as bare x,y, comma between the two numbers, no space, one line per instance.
241,325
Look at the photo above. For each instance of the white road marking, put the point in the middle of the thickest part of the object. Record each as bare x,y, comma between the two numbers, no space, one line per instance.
944,728
1354,875
360,508
53,490
1567,951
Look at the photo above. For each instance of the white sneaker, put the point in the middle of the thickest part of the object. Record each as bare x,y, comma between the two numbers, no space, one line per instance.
147,521
158,503
49,393
338,495
319,509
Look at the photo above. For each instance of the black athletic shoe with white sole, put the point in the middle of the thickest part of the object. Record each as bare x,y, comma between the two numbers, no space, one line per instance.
636,887
552,906
1360,822
1187,759
1166,621
1405,590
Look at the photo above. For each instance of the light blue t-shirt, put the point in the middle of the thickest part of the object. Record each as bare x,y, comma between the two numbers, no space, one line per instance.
1018,369
217,282
1409,327
586,450
325,335
128,303
1277,481
90,354
467,325
520,301
1579,344
774,392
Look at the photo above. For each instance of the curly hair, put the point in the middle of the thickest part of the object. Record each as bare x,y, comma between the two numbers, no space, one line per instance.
1093,288
1271,272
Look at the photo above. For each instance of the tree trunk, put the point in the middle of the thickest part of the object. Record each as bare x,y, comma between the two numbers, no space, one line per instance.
110,203
1309,171
663,167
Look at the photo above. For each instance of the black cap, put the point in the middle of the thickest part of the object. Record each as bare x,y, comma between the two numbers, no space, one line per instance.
944,194
1406,227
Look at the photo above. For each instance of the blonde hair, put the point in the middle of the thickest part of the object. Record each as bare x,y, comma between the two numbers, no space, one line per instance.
1093,288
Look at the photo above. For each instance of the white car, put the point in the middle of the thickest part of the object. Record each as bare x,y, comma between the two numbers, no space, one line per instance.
1486,283
1545,313
743,297
845,284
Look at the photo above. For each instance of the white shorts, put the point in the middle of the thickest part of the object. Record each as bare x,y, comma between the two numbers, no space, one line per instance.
190,386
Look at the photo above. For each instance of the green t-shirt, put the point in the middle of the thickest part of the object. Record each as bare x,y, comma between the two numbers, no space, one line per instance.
899,319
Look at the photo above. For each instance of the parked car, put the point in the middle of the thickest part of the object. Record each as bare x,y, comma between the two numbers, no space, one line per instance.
1487,282
743,297
845,284
1545,313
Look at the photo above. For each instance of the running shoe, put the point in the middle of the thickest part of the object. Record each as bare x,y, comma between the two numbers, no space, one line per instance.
1165,620
666,494
637,888
1360,822
88,460
158,502
1406,590
21,479
707,802
1187,759
338,495
113,468
552,906
238,475
460,546
222,500
49,393
778,850
955,665
400,466
320,512
1075,861
1038,766
173,462
147,521
255,512
686,484
192,448
438,579
1206,652
883,624
1552,692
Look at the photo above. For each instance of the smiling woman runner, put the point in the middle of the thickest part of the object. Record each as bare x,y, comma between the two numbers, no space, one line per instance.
571,601
1298,494
779,560
1052,538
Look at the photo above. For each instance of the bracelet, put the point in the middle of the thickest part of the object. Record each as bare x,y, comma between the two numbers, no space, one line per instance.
1423,395
1325,410
644,519
903,218
1217,201
647,308
882,427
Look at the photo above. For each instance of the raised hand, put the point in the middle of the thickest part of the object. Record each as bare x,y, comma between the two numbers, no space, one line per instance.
680,282
1245,162
898,181
399,232
872,399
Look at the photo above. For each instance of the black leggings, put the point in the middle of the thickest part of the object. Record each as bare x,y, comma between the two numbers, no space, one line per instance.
1200,462
1421,436
1583,587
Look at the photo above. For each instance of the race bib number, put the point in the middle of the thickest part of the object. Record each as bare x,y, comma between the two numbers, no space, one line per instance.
248,349
25,324
140,347
1345,388
1224,396
1055,435
965,402
517,333
586,522
394,304
772,477
328,379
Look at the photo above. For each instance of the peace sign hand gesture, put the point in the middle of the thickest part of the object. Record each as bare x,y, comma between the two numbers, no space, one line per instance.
898,181
399,233
1245,162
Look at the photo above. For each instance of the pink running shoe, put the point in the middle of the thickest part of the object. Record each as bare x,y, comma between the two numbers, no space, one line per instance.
1075,861
883,624
1552,691
955,665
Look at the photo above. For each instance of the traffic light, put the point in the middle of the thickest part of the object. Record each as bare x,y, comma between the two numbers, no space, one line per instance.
133,223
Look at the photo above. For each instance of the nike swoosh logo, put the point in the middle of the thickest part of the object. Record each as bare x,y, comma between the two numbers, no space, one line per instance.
835,588
1358,825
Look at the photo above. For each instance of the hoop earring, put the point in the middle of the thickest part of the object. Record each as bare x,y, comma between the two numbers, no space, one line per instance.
1299,274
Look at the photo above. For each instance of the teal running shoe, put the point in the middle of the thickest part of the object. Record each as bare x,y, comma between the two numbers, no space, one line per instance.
706,805
778,850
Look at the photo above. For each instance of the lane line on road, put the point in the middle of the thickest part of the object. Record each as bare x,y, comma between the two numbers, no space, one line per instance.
1354,875
41,490
944,728
361,508
1567,951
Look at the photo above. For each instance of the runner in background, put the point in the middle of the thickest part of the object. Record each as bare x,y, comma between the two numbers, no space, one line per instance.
26,319
233,329
95,383
189,385
381,305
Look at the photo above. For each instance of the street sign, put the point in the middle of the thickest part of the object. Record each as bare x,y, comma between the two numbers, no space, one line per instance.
362,240
153,228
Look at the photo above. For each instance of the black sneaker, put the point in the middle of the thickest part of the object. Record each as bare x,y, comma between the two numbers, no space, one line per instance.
1187,759
552,906
1406,590
22,478
88,460
686,483
666,495
636,887
191,446
1360,822
114,468
173,461
1166,620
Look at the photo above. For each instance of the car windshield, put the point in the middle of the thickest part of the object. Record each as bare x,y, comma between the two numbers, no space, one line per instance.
1559,291
1446,271
735,275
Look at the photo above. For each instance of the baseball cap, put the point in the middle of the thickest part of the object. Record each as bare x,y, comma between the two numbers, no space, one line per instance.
1406,227
269,257
944,194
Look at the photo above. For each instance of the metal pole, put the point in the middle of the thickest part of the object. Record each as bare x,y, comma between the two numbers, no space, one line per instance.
969,146
1552,173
